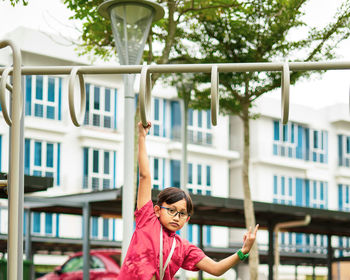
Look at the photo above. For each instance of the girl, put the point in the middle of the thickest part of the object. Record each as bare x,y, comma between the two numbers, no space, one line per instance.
155,251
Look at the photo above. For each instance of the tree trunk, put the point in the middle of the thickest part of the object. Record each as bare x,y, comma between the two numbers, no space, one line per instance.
248,203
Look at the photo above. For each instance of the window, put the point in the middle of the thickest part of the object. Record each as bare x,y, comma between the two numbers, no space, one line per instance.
157,170
344,150
43,96
101,106
45,224
175,173
344,197
296,141
42,159
283,190
94,227
199,127
102,228
175,121
158,117
99,169
202,182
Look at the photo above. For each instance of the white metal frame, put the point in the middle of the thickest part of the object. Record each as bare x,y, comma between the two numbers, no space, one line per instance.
16,122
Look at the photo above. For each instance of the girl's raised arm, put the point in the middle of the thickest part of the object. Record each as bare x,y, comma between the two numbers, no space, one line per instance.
144,190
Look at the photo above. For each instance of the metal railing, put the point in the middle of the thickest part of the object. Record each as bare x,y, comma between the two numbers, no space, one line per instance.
16,120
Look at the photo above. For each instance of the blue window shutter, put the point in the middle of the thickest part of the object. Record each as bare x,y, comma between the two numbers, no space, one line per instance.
208,119
85,168
114,169
39,87
326,146
307,144
96,97
292,133
36,222
59,98
175,173
49,155
275,190
340,150
322,191
164,118
48,223
51,89
106,168
27,157
299,191
285,133
114,231
175,120
115,108
163,172
208,175
57,225
326,193
105,228
283,181
107,100
346,194
290,184
156,168
37,153
276,130
95,161
299,149
340,197
199,174
315,190
156,109
28,105
307,192
190,174
208,235
58,181
190,233
190,117
24,221
94,224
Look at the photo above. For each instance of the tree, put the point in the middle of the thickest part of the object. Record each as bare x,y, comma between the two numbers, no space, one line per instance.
256,31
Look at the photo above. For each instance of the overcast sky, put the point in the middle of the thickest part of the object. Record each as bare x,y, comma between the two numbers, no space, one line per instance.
52,16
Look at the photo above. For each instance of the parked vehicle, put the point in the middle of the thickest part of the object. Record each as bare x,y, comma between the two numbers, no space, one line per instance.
104,265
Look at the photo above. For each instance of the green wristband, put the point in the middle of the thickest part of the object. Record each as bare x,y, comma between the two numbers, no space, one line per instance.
242,256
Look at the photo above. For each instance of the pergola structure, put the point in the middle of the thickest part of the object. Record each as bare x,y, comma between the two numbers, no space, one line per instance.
216,211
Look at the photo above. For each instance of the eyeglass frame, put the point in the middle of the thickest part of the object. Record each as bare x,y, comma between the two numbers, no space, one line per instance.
177,212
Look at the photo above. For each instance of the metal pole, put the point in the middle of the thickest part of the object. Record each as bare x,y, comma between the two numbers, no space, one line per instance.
270,259
329,256
15,181
86,241
183,172
28,242
128,202
200,273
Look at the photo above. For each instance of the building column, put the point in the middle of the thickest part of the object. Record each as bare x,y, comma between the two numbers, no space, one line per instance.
28,243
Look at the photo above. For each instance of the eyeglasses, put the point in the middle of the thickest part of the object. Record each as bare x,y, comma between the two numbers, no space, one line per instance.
173,212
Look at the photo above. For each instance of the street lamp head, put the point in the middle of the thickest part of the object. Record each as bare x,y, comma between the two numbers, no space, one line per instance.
131,21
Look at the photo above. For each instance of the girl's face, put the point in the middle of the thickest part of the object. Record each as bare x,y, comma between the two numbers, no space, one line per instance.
174,217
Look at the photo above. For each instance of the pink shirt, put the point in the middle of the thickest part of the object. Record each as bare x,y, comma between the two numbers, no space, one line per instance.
142,259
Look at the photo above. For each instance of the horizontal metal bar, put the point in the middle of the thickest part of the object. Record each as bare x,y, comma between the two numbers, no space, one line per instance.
185,68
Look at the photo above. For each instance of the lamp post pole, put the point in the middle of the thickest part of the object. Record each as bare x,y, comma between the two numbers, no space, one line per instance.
131,21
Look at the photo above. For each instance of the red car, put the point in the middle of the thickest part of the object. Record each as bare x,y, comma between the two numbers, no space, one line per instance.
104,265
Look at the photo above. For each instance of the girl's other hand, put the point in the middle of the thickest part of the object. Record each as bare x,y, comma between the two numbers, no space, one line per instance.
249,239
143,130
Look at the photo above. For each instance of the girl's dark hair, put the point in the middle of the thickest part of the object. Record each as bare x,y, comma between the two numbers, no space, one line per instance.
171,195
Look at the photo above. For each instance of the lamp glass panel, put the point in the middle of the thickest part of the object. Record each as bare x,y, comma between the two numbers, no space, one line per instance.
131,24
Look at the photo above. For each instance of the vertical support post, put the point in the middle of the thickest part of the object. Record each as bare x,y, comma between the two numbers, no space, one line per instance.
28,243
200,273
270,260
15,180
184,121
86,241
128,202
329,256
296,272
313,272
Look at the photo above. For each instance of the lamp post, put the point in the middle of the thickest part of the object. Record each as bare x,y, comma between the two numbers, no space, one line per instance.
131,21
